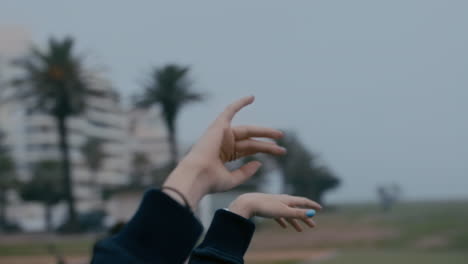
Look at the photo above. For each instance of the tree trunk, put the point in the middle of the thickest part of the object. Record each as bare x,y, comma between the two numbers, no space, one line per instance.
2,209
98,188
48,217
67,173
173,144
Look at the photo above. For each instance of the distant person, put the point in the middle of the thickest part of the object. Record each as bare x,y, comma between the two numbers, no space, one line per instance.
165,230
384,198
388,196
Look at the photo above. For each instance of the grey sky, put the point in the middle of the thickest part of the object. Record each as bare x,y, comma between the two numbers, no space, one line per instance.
378,88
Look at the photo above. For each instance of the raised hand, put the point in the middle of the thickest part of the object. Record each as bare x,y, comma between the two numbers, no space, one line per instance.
202,171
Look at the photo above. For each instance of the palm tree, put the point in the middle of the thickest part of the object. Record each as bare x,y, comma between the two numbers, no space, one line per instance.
169,87
44,187
54,81
302,172
7,178
93,153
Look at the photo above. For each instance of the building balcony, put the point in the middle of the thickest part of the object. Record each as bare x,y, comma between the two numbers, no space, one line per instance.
115,148
107,133
40,120
103,103
116,164
107,118
36,140
113,178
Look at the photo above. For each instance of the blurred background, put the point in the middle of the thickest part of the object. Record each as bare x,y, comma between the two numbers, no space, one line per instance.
99,99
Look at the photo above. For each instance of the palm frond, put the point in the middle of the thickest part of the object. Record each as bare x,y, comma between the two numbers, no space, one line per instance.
54,78
170,87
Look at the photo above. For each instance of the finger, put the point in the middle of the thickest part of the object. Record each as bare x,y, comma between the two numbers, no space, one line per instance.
245,172
297,201
235,107
251,146
292,212
295,224
281,222
244,132
309,222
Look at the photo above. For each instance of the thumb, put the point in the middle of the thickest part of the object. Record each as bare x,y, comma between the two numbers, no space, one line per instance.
245,172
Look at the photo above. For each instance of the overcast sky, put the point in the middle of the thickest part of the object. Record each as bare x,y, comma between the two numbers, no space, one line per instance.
378,88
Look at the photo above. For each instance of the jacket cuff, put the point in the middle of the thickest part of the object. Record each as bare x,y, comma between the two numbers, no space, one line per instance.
229,233
160,225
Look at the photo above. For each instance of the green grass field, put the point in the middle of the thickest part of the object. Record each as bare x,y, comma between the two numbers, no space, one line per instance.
420,225
387,257
397,256
417,232
75,247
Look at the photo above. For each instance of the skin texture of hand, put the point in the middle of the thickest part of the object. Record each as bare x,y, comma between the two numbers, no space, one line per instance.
202,171
283,208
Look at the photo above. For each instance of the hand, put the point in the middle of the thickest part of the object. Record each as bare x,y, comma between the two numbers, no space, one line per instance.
202,171
283,208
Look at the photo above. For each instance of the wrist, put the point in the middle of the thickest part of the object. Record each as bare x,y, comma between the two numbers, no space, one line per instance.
241,207
185,178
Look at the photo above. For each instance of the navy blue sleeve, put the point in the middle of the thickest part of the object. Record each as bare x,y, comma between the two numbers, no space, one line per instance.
226,241
161,231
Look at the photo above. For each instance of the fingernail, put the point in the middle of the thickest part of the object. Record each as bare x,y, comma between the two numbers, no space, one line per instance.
283,149
310,213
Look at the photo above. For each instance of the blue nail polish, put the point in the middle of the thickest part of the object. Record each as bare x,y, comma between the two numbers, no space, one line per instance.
310,213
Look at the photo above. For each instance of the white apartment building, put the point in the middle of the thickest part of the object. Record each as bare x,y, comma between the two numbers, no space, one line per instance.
148,135
32,137
103,119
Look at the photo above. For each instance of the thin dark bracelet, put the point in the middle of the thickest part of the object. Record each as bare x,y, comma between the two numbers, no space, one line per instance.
187,205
